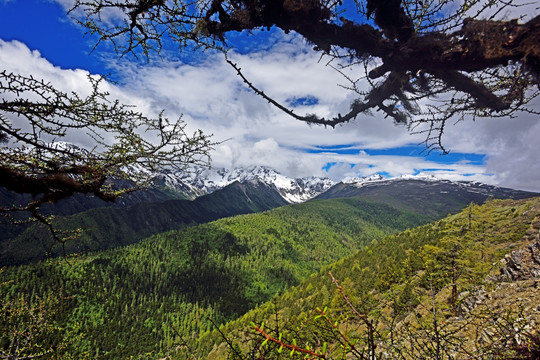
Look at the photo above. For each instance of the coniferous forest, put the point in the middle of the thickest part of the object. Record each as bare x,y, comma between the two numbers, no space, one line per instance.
138,299
140,217
327,279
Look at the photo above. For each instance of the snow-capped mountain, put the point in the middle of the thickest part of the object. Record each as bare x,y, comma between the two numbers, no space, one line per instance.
359,181
204,181
427,181
200,181
426,194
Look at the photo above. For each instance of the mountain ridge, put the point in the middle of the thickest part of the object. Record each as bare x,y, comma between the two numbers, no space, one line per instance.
109,227
139,295
429,195
300,189
400,285
293,190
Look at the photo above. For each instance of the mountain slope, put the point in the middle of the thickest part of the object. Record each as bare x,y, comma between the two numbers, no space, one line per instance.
109,227
430,196
79,203
139,298
171,185
462,287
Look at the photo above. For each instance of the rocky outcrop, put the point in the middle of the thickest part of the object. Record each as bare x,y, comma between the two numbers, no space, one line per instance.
520,270
524,263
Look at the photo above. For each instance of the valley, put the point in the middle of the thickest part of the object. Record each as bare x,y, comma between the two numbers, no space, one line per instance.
154,279
269,180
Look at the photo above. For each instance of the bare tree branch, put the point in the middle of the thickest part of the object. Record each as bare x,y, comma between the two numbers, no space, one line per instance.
424,50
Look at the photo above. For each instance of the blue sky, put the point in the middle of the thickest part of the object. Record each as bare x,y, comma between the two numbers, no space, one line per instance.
43,25
36,37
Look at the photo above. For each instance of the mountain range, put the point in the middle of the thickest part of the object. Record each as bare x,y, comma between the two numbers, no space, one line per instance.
156,275
296,190
200,180
107,227
221,193
193,293
428,195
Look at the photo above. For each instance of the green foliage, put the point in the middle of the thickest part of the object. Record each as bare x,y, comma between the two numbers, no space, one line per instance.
106,228
28,327
166,290
403,288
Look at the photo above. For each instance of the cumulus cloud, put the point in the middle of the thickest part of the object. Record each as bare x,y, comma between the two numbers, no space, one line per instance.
213,98
511,147
17,58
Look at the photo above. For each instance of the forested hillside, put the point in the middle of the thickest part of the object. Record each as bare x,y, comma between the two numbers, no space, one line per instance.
79,203
109,227
463,287
146,299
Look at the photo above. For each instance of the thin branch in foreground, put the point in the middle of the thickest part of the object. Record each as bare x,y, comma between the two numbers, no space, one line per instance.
293,348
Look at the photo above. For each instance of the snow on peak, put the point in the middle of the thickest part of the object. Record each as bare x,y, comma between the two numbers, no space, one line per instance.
379,179
359,181
420,176
292,190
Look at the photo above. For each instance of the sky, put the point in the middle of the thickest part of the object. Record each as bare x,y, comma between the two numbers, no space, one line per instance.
38,38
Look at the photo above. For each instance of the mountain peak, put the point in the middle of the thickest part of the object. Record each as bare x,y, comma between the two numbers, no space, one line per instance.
378,178
293,190
362,180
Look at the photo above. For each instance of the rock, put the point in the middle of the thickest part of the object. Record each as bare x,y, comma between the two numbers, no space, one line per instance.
530,232
535,252
468,301
521,264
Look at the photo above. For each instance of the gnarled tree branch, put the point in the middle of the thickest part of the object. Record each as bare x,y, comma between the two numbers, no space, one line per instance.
424,49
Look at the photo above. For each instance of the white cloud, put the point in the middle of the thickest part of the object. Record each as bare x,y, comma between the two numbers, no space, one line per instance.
212,97
108,15
15,57
511,146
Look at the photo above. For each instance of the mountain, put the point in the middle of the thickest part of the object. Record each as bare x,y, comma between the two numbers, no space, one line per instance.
79,202
108,227
165,186
428,195
168,185
209,180
143,298
460,288
433,195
